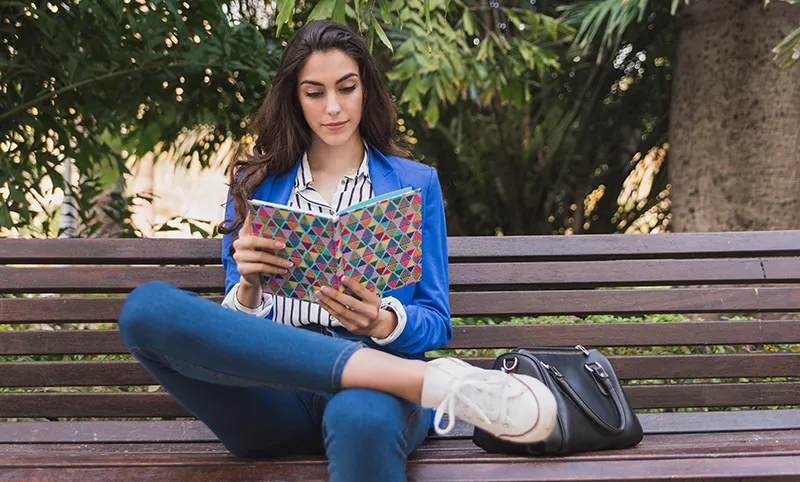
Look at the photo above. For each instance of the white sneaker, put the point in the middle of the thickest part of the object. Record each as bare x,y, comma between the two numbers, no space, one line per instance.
512,407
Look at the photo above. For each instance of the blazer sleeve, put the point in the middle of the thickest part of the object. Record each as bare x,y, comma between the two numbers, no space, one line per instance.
428,315
231,272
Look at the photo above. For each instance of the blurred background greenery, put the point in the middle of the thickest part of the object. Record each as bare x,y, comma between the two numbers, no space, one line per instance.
542,116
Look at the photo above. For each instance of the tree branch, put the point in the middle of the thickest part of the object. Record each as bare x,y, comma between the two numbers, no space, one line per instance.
110,75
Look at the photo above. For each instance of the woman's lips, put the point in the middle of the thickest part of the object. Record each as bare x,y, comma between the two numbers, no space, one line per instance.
335,126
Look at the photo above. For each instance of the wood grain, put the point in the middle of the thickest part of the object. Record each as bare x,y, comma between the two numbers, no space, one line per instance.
471,276
99,342
631,367
488,303
68,404
466,248
701,426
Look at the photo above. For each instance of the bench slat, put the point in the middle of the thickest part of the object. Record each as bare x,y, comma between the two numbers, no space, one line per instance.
617,247
700,467
108,279
473,276
146,448
720,456
64,309
590,274
626,302
627,334
163,405
62,342
466,248
465,304
664,445
455,468
110,251
702,423
123,373
79,279
652,367
108,342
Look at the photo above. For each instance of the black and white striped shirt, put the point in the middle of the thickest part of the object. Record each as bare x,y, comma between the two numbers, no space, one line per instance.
352,189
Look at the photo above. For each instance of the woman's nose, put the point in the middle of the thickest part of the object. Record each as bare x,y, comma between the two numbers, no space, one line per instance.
333,106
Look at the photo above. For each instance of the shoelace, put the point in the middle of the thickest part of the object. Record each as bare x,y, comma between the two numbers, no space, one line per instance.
448,405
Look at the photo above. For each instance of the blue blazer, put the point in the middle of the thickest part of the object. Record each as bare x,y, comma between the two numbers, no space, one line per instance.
426,302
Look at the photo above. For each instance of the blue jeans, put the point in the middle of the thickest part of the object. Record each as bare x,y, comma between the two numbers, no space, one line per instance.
267,389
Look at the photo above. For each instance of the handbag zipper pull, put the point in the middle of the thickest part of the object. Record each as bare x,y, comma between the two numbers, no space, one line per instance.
600,376
597,370
583,349
552,370
506,368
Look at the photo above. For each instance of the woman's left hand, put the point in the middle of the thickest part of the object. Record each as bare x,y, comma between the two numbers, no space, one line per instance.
364,317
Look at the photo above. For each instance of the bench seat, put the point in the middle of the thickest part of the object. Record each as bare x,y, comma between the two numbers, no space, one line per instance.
693,445
56,429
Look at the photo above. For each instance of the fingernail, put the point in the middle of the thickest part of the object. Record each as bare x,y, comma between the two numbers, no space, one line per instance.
288,264
281,245
344,278
285,271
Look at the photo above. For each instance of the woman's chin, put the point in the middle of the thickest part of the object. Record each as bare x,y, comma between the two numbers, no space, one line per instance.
337,139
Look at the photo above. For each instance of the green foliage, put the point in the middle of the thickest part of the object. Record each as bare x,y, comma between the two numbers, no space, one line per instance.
444,49
608,20
525,108
97,81
788,51
529,169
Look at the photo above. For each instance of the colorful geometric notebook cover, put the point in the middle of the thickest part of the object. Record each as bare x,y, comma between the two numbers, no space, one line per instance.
377,242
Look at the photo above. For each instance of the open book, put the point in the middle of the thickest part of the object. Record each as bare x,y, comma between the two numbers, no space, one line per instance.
377,242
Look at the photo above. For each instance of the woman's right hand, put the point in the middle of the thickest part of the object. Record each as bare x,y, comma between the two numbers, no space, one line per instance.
251,261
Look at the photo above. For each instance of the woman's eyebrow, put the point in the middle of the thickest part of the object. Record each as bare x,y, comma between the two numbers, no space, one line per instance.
320,84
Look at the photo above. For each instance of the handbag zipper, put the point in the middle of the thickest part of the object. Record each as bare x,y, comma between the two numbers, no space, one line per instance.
535,361
576,350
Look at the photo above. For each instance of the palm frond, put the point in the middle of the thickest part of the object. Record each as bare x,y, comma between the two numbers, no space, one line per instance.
787,53
605,21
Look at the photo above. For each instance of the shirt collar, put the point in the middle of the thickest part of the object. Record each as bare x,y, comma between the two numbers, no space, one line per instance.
304,179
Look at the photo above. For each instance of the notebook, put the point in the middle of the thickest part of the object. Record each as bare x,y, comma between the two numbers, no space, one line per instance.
377,242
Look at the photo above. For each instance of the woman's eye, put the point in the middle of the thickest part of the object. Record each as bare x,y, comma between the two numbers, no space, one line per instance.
349,89
314,95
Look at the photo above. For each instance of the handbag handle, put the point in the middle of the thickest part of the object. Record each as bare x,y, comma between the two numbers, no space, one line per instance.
599,374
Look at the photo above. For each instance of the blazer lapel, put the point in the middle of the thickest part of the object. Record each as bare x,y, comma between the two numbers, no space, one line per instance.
281,186
382,174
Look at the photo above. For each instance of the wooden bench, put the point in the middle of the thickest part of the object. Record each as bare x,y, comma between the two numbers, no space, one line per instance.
65,433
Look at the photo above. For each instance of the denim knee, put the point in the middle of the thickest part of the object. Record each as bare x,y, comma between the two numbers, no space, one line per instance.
346,421
138,316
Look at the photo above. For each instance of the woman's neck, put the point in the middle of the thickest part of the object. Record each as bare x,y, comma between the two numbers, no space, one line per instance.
336,160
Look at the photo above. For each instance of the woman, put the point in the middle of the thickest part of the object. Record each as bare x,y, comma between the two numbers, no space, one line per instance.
343,376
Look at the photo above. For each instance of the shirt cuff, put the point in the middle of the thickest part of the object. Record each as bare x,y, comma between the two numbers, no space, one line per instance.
393,304
232,302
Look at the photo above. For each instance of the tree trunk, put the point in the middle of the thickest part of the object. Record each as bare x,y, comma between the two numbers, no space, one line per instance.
143,181
109,227
68,220
734,120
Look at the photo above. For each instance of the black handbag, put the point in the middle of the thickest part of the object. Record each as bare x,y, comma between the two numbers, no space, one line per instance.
593,411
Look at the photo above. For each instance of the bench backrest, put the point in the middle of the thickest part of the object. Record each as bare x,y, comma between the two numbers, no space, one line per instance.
61,282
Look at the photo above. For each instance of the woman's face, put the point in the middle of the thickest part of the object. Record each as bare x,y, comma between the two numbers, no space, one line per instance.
330,92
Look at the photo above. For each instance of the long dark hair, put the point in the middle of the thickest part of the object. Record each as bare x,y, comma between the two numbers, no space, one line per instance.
281,131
